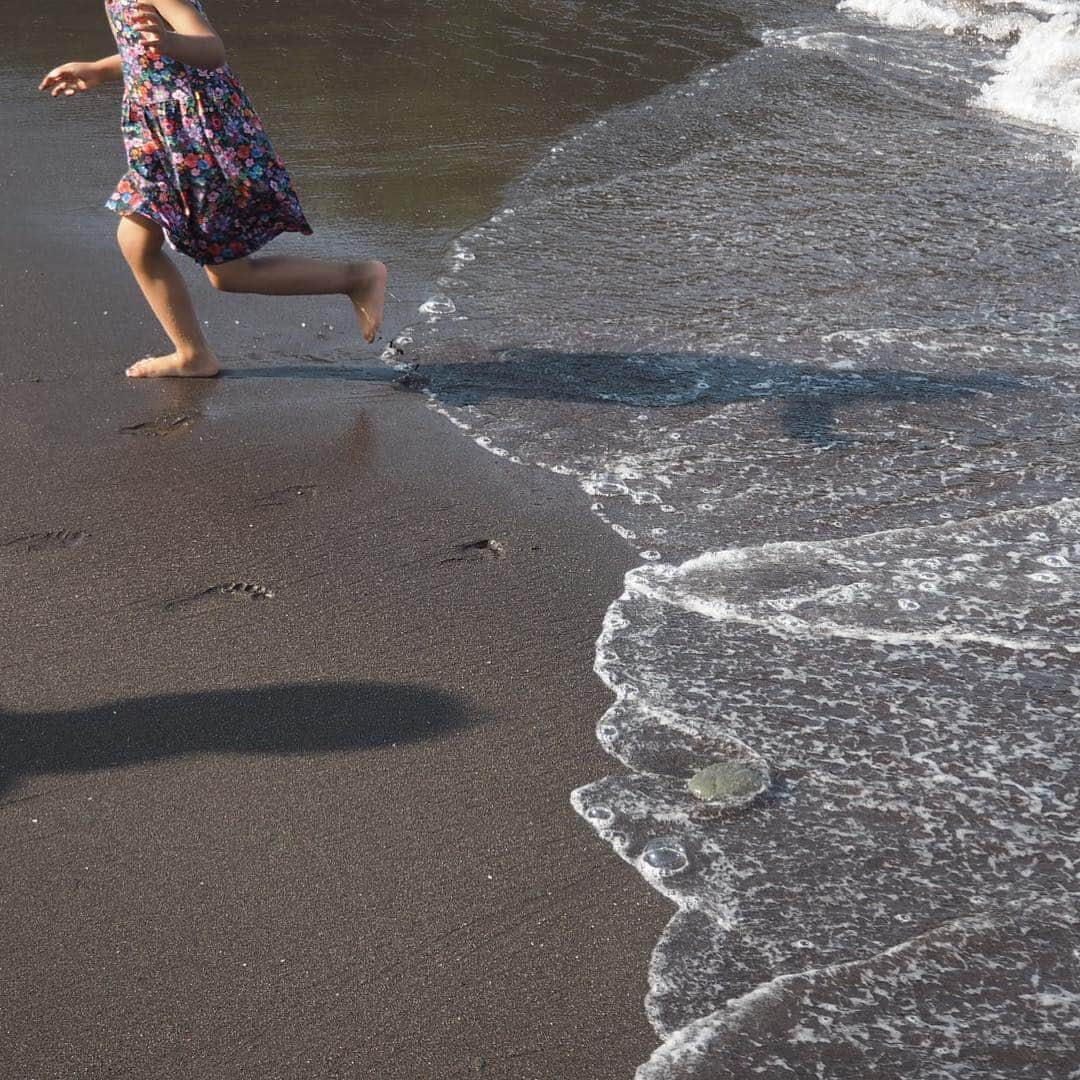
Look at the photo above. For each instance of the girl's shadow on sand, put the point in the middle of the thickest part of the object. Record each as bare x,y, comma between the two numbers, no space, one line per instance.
287,719
809,397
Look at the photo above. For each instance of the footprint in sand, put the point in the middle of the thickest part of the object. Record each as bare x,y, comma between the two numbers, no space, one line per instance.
161,426
475,550
230,592
293,495
60,540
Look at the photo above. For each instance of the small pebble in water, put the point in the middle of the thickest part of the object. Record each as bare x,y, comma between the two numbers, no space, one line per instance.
727,780
665,854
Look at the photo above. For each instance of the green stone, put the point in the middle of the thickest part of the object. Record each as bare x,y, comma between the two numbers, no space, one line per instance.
727,780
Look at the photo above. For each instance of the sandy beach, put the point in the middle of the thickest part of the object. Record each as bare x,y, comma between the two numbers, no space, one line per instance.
655,656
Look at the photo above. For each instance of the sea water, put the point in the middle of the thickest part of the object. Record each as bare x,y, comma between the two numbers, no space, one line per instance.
806,328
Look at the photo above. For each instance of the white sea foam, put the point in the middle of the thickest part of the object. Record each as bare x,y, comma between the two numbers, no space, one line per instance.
992,23
807,1024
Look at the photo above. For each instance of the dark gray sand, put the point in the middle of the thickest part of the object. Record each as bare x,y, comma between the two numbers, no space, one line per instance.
285,748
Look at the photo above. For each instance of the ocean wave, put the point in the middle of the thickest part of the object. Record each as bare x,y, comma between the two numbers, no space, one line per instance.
1037,79
921,763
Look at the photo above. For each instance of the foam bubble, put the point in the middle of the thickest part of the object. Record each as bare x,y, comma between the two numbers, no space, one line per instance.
665,855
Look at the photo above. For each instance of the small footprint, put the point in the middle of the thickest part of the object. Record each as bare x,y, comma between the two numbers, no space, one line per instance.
287,496
228,592
59,540
160,426
473,550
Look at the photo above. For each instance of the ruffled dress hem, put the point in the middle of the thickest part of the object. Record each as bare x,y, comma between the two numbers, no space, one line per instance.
204,253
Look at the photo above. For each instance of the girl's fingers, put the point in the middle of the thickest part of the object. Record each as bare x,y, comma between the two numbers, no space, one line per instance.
65,86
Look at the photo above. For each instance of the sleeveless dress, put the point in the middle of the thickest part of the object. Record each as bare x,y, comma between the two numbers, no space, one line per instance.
201,165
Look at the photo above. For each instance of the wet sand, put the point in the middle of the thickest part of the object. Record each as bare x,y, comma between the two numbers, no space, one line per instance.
323,832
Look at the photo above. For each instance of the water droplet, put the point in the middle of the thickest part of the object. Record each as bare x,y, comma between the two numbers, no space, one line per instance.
665,854
598,813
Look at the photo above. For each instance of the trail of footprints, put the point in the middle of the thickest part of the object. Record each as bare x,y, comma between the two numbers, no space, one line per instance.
234,592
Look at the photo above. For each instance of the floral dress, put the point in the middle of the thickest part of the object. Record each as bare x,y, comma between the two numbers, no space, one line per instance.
201,165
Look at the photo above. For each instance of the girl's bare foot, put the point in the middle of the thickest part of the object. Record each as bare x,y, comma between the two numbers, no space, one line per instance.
368,296
173,366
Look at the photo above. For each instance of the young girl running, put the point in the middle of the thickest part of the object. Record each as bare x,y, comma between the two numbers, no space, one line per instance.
204,176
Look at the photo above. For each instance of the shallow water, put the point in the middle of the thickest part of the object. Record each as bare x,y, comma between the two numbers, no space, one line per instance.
805,326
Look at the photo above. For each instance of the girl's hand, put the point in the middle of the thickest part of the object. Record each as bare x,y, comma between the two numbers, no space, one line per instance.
68,79
150,25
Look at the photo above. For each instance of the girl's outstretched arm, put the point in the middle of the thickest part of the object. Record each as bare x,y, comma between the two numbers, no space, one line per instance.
73,78
175,28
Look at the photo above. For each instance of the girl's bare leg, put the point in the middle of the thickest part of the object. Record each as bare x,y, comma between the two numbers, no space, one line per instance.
364,283
141,241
